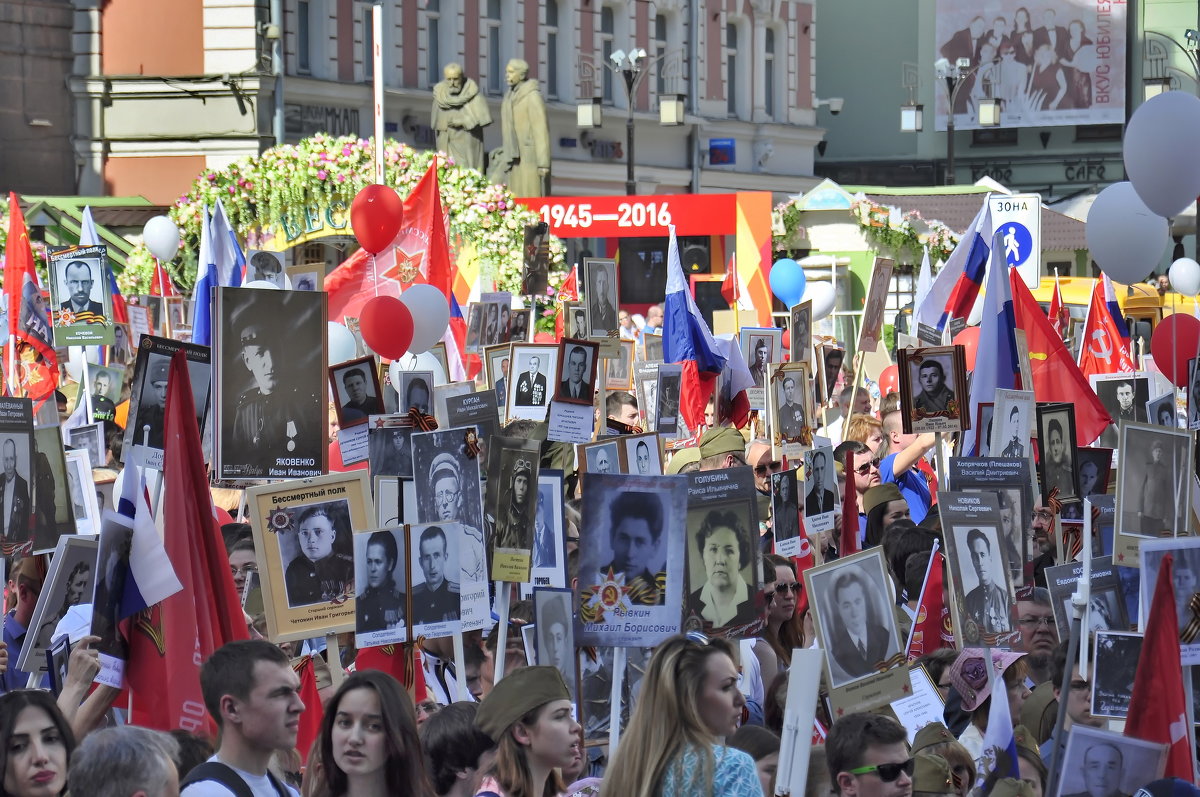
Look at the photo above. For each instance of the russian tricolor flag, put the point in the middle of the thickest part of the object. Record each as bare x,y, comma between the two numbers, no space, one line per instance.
956,287
687,340
996,354
150,578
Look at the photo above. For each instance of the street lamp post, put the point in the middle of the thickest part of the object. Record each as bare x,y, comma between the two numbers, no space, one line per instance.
956,76
632,74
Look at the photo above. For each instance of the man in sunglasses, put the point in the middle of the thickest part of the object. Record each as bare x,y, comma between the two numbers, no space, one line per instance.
866,474
868,757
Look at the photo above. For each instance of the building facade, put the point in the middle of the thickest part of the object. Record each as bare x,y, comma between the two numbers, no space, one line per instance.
162,91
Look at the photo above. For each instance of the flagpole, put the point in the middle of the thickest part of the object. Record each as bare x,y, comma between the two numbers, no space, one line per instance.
334,651
737,317
377,86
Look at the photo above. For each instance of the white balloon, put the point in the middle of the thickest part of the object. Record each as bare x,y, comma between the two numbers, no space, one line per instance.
822,296
431,316
161,237
424,361
1161,159
1127,240
1185,276
342,345
264,285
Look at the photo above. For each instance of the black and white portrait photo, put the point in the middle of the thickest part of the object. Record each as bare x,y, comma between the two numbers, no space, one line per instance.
652,347
1109,764
760,346
389,447
619,374
820,489
69,582
548,525
791,413
81,489
448,485
91,437
535,263
556,634
517,500
148,395
576,325
104,389
1057,466
785,507
1125,397
629,579
317,553
801,333
1094,466
983,576
1185,582
576,380
52,507
436,577
1154,480
121,352
519,330
499,366
1161,411
984,420
263,266
601,297
934,393
670,377
721,558
416,391
380,582
475,314
642,455
530,387
355,386
307,277
79,296
854,617
1116,655
933,389
831,365
603,457
271,411
1011,424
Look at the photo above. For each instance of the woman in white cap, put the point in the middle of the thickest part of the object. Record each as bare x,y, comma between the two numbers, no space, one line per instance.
528,714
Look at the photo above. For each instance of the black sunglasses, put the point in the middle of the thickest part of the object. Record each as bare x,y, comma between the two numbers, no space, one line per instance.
887,772
795,586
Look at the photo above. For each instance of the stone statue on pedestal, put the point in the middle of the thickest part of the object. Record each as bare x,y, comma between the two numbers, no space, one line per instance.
522,162
460,112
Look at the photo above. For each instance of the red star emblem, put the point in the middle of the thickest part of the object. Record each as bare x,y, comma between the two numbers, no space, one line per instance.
407,267
380,423
841,711
1120,557
906,688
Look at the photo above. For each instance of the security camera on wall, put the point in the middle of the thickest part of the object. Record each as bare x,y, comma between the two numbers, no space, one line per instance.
835,105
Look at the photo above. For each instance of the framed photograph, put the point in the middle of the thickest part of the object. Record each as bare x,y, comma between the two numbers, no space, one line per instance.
652,347
575,382
785,512
264,266
416,391
1109,761
475,313
666,411
873,309
158,314
630,578
121,352
437,578
139,322
498,361
985,414
575,320
176,313
601,298
600,457
549,563
855,620
69,582
303,537
505,323
619,373
789,402
1012,482
534,364
511,488
79,296
1125,397
1193,396
1186,577
1161,411
148,396
1057,466
642,454
1154,481
85,506
645,388
496,311
760,346
933,389
356,391
307,277
108,585
103,389
519,331
381,579
801,333
1106,609
981,576
389,445
1010,437
271,412
1094,466
832,358
820,489
552,613
535,264
52,515
91,438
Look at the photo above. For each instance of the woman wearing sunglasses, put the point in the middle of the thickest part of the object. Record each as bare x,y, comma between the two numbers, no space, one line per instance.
673,745
785,628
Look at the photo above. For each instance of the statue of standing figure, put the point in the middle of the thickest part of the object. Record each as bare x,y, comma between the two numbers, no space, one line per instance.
522,162
460,112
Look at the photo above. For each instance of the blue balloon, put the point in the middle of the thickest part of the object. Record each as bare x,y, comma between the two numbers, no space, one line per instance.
787,281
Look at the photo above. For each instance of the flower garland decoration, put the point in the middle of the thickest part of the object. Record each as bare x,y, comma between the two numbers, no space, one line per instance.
886,226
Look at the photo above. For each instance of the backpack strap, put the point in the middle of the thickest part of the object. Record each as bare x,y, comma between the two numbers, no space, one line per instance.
223,774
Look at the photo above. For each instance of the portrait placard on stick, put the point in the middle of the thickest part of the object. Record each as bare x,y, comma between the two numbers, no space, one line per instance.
16,445
760,346
1011,480
933,389
1154,483
53,514
1106,609
983,601
82,305
69,582
148,396
789,401
877,293
381,579
512,494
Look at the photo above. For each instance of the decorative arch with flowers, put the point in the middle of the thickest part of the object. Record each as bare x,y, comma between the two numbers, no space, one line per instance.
904,234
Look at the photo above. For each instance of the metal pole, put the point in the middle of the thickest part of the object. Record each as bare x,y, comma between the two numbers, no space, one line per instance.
630,183
950,144
277,69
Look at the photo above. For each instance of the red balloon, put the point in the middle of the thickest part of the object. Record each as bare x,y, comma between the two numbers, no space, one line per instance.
1175,341
889,380
387,326
376,215
969,340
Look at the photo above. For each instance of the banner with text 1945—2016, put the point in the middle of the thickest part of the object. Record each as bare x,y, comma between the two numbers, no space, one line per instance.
1058,62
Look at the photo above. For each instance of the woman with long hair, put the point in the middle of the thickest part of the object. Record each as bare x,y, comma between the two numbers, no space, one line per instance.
673,745
785,628
37,745
368,742
528,715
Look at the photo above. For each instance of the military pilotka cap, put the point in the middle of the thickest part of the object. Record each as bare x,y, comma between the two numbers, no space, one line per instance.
722,440
1039,712
158,371
881,494
1028,745
1011,787
931,734
931,775
516,695
681,458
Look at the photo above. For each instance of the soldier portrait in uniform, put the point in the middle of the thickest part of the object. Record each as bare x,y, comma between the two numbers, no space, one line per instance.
577,377
449,492
436,579
933,389
518,496
355,385
271,380
321,568
555,633
601,298
105,389
380,581
983,577
389,449
529,385
52,505
90,437
265,267
1058,466
148,394
788,402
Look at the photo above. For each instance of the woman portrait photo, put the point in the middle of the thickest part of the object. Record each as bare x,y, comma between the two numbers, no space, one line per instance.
720,562
322,567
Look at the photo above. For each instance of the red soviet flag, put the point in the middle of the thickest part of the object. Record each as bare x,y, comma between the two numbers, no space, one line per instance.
310,720
928,630
1157,711
35,363
169,641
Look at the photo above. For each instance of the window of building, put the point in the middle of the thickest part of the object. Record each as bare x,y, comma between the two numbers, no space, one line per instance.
368,40
901,292
433,31
552,48
1098,132
659,55
607,34
495,67
994,137
303,38
769,73
731,68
